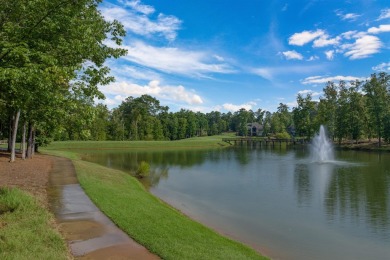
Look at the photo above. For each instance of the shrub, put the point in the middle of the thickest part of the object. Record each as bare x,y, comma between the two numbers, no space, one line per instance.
283,135
143,170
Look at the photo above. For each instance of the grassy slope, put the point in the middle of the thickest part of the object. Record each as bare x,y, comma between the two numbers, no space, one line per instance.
25,231
162,229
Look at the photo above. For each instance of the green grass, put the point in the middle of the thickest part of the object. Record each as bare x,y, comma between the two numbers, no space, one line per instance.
151,222
25,230
193,143
154,224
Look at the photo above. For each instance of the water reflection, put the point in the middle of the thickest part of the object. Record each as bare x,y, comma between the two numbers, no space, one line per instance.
276,197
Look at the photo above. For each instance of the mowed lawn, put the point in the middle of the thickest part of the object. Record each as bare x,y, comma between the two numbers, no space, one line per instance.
162,229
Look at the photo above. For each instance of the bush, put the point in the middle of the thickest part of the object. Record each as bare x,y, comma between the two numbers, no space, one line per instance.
143,170
283,135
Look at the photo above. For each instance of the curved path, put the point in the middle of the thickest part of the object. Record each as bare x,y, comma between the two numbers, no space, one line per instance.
89,233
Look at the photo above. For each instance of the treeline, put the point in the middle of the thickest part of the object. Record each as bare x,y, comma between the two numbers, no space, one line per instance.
352,111
52,55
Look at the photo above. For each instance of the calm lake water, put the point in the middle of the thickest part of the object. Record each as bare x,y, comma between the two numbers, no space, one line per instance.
276,200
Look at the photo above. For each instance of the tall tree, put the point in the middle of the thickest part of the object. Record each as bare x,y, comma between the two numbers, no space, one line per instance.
376,89
62,42
304,115
327,108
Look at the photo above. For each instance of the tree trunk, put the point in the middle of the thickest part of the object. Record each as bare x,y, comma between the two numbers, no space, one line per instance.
30,141
34,148
10,134
14,132
23,146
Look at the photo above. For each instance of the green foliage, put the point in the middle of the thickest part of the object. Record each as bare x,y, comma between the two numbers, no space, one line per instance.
51,60
143,170
283,135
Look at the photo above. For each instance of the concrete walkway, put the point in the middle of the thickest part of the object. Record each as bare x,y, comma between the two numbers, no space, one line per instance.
89,233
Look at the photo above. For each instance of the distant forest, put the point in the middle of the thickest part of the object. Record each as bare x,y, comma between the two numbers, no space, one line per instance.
351,111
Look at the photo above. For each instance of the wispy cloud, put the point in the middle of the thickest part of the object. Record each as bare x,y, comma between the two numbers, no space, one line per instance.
272,73
313,80
292,55
138,7
313,58
385,14
137,20
309,91
329,54
121,90
233,108
382,28
128,72
324,40
348,16
175,60
304,37
363,47
382,67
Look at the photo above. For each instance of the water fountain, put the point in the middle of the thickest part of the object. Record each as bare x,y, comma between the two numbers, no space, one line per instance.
321,147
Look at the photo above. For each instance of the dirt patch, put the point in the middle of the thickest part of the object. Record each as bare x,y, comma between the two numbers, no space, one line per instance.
31,175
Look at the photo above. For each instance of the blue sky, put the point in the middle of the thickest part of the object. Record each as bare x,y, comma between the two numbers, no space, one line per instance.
220,55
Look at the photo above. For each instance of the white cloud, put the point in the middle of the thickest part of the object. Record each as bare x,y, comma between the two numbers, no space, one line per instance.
349,35
363,47
263,72
165,25
350,16
271,73
171,93
382,67
329,54
174,60
234,108
218,58
125,72
322,79
382,28
304,37
313,58
292,55
138,7
385,14
309,91
324,40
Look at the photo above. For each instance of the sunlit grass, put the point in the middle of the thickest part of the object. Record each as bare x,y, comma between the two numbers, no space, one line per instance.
159,227
154,224
195,142
25,230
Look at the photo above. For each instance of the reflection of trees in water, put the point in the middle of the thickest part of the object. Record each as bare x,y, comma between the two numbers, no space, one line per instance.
302,184
360,193
354,194
156,175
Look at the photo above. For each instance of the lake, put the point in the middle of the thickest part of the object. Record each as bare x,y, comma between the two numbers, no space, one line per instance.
276,200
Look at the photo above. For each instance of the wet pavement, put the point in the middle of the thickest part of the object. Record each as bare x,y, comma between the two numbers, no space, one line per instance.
89,233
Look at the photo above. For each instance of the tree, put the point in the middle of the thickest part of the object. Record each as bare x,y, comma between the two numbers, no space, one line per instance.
376,89
327,108
342,112
99,123
243,118
303,116
357,111
61,42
